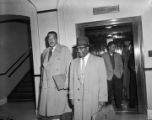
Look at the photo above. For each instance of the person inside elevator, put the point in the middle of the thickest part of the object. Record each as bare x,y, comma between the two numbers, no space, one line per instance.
114,67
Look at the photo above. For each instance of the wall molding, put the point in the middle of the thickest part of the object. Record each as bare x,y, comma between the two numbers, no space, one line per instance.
37,75
45,11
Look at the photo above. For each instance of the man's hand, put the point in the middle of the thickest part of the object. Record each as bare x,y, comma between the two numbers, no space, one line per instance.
72,101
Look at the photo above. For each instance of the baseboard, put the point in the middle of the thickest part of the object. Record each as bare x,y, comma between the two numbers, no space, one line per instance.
149,114
3,101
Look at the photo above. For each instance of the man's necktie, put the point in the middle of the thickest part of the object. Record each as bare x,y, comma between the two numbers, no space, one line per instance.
50,54
82,70
112,61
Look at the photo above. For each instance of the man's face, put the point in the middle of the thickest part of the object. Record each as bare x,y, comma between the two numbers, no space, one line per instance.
82,51
52,40
112,48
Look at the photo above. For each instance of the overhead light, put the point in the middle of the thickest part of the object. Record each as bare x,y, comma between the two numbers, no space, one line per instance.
108,27
109,35
115,32
118,36
115,36
113,20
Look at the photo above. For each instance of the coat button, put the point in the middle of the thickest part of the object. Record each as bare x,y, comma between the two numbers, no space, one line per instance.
78,99
78,88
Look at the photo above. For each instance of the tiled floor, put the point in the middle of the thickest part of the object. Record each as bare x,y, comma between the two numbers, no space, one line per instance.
26,111
18,111
129,116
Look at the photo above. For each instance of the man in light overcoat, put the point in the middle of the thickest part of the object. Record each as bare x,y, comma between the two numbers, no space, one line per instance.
88,82
55,61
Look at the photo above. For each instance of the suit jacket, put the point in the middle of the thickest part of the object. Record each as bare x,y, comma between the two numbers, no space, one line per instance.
53,102
118,70
94,88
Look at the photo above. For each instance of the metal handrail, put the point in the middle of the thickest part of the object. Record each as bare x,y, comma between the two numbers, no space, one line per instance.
37,75
9,69
19,65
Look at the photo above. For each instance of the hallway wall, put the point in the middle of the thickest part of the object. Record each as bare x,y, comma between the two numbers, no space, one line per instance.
147,42
47,21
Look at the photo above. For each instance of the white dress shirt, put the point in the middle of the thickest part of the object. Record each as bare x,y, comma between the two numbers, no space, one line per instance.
85,59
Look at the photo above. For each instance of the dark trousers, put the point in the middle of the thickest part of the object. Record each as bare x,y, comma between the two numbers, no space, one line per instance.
49,118
133,89
115,91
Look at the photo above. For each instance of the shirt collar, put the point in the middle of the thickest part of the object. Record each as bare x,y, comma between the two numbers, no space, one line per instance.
86,58
111,54
54,48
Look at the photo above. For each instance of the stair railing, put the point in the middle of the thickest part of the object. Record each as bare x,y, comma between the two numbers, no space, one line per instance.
11,70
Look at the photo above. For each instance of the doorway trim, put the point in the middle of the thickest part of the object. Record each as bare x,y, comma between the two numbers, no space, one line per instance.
138,52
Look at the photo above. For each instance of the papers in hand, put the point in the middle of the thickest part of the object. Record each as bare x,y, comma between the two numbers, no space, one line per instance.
59,81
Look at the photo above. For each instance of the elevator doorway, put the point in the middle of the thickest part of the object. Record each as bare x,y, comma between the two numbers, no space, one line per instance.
127,34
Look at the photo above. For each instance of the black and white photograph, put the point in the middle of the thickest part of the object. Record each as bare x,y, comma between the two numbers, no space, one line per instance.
75,59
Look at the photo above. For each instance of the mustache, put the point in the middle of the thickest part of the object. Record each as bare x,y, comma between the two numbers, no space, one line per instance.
51,42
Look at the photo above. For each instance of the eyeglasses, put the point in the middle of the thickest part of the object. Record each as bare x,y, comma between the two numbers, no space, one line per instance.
81,47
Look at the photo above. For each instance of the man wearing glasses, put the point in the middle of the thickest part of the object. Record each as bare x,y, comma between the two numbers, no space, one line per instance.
88,81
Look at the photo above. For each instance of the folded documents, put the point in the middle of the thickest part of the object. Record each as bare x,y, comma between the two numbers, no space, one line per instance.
60,81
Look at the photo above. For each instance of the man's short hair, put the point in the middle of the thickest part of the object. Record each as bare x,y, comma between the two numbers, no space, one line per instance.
111,43
47,36
51,32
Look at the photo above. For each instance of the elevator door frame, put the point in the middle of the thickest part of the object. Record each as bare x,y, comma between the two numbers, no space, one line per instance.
138,52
